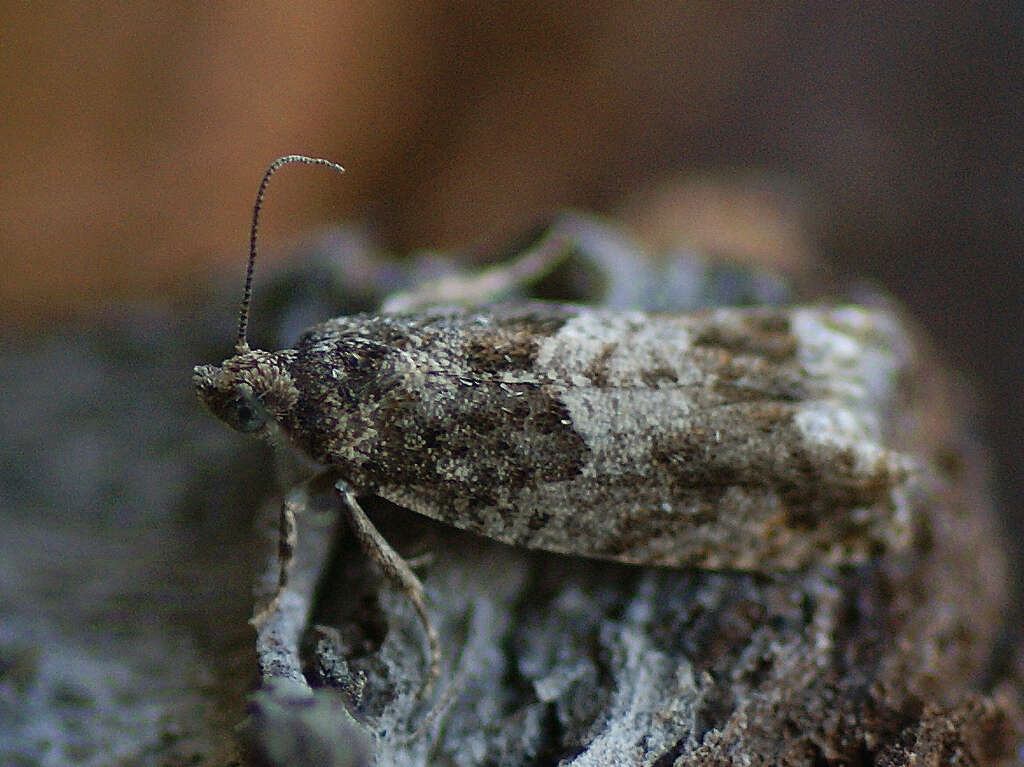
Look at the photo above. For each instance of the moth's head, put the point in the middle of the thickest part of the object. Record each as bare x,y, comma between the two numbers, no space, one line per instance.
253,391
250,392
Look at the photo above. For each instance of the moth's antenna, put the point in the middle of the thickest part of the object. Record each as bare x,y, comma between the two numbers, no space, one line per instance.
242,345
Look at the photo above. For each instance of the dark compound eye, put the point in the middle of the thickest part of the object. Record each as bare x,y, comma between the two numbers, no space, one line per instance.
248,416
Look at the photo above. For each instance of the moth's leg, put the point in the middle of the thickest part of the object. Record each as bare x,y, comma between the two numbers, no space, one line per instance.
420,560
397,571
287,584
296,500
488,284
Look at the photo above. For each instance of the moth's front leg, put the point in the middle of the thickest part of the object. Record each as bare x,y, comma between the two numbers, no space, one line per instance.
289,586
295,501
398,572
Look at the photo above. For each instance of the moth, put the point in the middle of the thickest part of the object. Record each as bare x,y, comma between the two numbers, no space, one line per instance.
733,438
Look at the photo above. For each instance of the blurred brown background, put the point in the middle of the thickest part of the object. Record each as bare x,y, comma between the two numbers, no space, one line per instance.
133,137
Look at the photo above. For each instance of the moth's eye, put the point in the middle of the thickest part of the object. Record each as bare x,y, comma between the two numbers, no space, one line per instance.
248,415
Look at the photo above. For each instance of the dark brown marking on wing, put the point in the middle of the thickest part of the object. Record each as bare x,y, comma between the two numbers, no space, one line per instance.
762,333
